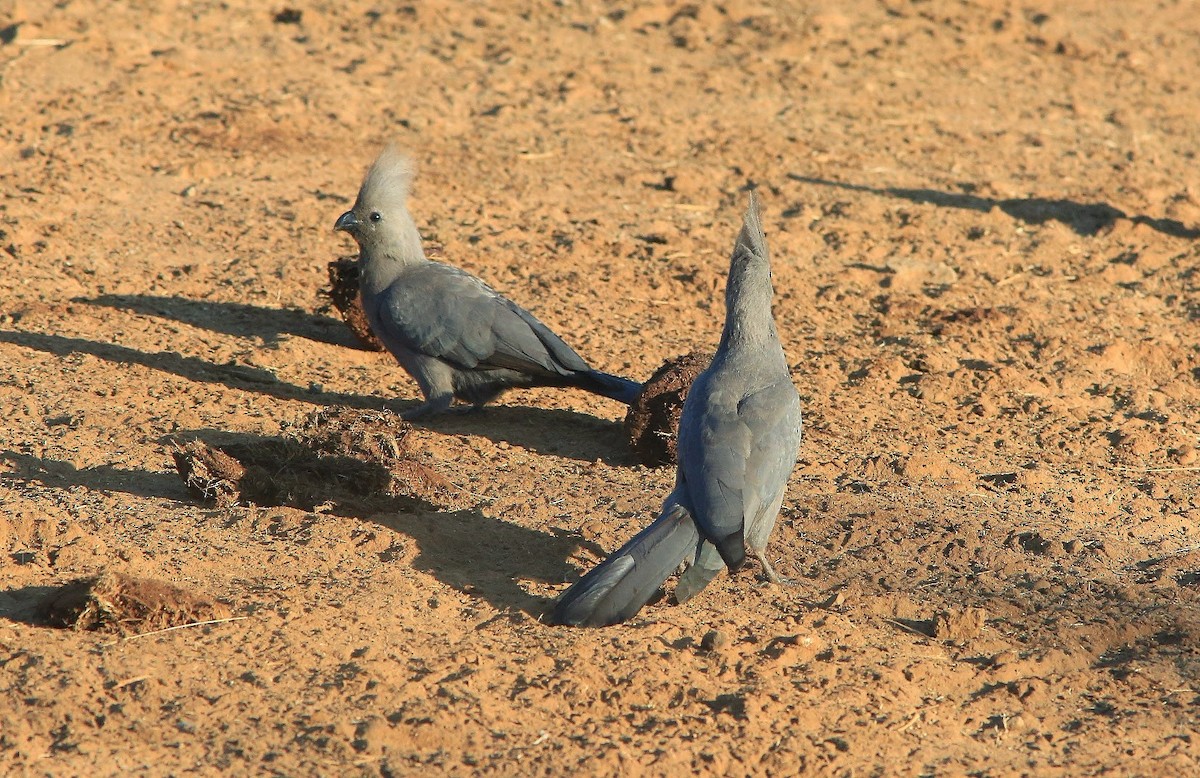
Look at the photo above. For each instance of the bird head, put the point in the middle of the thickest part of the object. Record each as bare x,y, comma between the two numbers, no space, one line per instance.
380,214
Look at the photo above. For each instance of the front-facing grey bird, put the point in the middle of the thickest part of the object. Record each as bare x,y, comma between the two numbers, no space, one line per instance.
738,440
453,333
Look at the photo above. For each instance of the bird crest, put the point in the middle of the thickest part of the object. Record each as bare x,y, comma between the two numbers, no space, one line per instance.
389,179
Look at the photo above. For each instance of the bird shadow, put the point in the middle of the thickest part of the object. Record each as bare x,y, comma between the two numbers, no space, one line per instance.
464,548
238,319
545,430
483,556
480,555
556,431
1083,218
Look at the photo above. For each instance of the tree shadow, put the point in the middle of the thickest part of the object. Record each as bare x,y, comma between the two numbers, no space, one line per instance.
234,376
1084,218
238,319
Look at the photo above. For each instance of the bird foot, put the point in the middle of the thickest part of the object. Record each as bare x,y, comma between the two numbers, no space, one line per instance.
420,412
427,409
770,574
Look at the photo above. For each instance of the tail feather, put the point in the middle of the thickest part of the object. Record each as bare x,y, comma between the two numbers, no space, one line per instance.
613,387
618,587
708,564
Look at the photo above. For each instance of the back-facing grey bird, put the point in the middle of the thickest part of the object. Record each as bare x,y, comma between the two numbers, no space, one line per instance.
738,440
453,333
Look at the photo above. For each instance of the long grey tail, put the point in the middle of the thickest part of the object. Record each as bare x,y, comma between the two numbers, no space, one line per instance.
618,587
610,386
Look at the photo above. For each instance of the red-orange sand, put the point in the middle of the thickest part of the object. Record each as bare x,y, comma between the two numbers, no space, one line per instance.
985,224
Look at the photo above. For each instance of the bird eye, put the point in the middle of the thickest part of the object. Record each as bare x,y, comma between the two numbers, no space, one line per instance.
375,216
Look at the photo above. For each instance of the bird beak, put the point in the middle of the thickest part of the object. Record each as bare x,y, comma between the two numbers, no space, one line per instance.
347,222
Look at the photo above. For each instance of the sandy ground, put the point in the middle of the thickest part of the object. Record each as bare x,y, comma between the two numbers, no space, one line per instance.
985,221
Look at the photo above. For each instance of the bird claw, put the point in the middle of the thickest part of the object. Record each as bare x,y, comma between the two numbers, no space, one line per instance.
770,574
427,409
421,411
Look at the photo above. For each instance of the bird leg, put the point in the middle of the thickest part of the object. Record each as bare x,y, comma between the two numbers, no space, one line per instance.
769,572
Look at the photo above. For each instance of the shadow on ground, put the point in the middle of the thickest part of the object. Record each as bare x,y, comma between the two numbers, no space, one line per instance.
1083,218
477,554
480,555
105,478
234,376
554,431
544,430
26,604
238,319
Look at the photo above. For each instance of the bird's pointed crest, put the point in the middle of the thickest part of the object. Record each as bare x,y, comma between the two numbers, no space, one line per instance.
389,178
751,236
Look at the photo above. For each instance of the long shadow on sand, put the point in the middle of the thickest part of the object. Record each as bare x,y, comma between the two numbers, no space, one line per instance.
1083,218
545,430
477,554
26,604
483,556
238,319
234,376
104,478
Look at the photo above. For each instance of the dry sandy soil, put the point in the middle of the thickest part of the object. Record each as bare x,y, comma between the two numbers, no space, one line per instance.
985,223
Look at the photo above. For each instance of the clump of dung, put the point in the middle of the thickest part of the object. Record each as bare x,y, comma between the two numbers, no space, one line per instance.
122,604
376,439
343,293
337,455
652,422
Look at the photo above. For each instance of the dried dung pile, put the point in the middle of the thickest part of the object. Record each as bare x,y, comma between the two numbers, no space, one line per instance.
122,604
652,422
343,292
339,455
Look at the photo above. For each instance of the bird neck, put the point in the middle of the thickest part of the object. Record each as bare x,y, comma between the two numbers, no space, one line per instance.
749,323
385,258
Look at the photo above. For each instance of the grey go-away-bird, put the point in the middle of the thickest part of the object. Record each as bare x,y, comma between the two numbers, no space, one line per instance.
453,333
738,440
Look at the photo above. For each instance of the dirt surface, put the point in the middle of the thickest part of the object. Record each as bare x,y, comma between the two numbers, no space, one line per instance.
985,225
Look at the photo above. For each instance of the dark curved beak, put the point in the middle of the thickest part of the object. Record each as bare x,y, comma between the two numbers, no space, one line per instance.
347,222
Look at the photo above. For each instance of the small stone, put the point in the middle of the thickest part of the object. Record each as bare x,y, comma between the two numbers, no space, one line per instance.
713,640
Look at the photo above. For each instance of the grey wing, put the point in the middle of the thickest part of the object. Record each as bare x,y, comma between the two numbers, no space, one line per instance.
774,415
447,313
737,460
713,447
